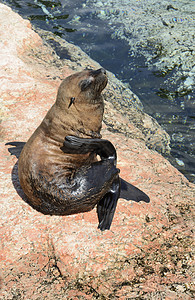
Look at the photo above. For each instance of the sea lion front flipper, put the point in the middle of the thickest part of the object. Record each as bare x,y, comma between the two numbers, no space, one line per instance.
107,206
103,148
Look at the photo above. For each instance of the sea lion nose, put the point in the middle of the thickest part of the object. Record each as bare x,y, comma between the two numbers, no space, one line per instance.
97,72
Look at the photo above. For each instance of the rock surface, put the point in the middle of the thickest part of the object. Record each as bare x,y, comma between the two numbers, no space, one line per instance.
147,254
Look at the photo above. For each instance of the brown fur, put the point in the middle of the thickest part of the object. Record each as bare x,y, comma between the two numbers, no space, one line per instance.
42,153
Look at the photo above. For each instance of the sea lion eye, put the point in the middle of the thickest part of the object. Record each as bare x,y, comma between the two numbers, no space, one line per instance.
71,101
84,84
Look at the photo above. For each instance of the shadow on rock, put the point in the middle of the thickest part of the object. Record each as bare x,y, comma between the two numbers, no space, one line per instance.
16,150
128,191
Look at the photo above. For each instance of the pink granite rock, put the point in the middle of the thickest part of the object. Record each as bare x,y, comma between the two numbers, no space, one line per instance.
147,254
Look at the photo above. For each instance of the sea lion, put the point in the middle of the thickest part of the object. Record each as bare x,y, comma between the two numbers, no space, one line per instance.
58,167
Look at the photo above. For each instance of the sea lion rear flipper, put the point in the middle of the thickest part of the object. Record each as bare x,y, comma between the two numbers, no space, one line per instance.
130,192
16,148
103,148
107,206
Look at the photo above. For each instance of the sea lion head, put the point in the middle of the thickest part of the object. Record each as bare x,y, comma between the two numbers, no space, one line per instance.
79,106
82,88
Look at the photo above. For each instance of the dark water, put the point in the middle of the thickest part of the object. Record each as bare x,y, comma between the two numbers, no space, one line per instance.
77,24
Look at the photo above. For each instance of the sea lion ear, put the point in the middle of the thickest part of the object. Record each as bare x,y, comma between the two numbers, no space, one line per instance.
71,101
85,83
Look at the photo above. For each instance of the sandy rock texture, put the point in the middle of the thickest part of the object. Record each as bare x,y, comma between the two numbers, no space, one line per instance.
147,254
